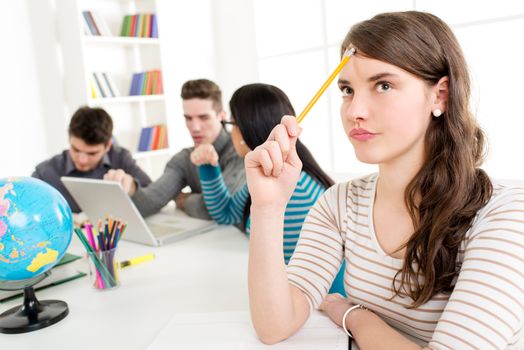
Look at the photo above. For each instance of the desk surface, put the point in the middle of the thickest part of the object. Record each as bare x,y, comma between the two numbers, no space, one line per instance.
204,273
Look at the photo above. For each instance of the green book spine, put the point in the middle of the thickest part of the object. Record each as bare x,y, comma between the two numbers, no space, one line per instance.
125,26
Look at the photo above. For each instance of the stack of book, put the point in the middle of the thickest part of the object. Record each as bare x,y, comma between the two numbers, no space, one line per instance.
141,25
153,138
147,83
102,86
94,24
69,268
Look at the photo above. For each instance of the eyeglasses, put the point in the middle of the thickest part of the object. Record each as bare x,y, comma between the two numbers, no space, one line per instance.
228,125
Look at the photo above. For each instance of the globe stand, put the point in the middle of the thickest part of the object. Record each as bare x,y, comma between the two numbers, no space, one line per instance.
33,314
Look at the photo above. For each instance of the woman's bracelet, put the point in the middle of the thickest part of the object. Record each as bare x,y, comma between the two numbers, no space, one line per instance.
354,307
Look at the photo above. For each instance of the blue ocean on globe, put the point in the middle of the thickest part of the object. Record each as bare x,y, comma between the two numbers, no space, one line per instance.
36,226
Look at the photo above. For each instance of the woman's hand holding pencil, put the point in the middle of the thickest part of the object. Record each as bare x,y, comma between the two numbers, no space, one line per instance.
273,168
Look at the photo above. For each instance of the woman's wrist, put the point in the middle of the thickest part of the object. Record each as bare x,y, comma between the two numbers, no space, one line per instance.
356,316
273,210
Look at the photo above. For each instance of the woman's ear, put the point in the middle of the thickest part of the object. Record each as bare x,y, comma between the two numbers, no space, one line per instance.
441,91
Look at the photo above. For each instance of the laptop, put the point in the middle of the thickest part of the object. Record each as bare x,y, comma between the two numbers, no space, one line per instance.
99,199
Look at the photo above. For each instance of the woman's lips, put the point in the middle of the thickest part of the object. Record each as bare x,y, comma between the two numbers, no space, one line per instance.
360,134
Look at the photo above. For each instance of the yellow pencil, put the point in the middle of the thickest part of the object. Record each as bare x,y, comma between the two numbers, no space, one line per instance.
137,260
323,88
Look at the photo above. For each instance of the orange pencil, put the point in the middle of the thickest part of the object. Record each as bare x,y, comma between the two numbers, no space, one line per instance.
323,88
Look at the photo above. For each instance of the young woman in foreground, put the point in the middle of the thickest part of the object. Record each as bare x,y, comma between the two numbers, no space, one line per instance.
434,251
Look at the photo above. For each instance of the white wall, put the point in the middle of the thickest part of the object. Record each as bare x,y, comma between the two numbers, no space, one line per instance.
298,50
188,52
234,43
491,36
49,74
22,142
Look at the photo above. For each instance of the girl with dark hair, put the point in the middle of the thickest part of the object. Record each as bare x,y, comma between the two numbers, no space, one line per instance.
255,110
433,249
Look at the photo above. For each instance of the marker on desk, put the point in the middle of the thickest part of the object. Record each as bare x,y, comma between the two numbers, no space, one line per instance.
138,260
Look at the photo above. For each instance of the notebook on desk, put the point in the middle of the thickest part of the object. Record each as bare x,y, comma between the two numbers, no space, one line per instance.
233,330
99,198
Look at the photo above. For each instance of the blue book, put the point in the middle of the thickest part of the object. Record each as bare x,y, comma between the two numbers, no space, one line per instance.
154,28
140,83
136,84
133,83
145,136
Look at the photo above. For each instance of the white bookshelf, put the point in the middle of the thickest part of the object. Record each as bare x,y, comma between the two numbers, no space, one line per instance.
149,154
117,40
119,57
124,99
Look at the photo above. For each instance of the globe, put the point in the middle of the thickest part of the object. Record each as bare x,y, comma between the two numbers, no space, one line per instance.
36,226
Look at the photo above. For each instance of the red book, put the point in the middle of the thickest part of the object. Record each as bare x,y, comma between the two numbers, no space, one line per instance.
161,138
155,138
159,87
133,26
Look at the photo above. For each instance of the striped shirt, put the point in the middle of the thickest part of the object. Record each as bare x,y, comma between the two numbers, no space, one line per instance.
486,307
228,209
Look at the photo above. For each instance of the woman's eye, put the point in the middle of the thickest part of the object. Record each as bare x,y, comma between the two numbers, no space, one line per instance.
346,90
382,87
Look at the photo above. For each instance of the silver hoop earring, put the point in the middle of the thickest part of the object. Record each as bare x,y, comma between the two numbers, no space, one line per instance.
437,112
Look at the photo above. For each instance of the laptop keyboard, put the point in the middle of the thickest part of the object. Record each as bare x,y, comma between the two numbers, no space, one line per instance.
162,230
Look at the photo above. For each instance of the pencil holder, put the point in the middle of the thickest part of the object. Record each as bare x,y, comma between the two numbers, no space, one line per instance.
104,269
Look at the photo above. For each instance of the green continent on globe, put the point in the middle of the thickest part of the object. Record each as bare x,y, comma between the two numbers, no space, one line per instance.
36,226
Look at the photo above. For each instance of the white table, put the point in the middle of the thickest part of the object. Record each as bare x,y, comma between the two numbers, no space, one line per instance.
204,273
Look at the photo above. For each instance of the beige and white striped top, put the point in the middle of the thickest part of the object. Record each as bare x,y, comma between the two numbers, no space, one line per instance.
486,308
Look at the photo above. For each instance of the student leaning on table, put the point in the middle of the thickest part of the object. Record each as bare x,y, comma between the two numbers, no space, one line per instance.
434,250
203,113
255,110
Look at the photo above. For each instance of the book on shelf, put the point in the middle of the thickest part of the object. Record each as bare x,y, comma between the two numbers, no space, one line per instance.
95,89
94,24
153,138
69,268
98,85
88,19
101,24
154,27
102,85
85,26
141,25
147,83
111,84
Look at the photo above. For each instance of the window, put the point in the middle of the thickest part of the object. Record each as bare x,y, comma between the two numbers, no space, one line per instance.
298,47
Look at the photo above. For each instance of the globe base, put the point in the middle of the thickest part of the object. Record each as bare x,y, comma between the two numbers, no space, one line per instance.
32,315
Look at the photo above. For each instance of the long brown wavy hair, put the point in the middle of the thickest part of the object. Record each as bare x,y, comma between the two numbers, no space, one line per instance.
445,195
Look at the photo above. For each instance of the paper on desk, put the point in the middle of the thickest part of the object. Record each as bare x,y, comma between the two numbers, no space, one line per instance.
233,331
